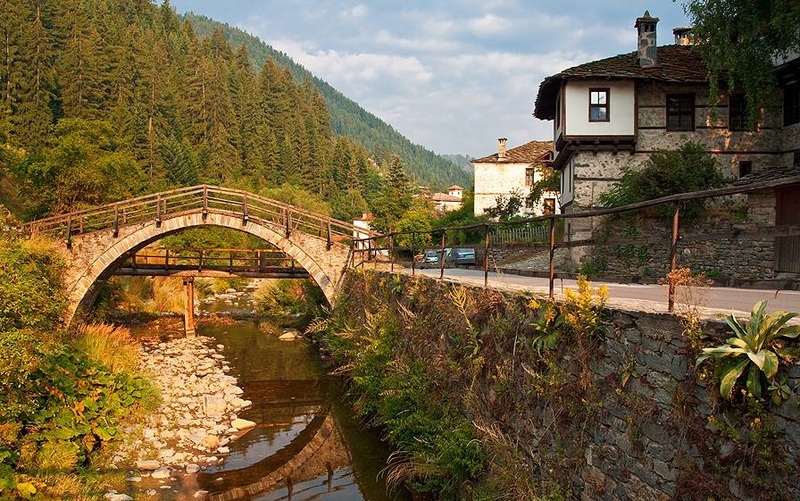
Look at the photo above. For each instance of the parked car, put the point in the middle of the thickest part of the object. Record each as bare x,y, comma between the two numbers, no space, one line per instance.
460,255
430,259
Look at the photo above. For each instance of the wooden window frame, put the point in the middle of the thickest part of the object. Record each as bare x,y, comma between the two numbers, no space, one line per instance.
599,106
738,119
681,111
530,176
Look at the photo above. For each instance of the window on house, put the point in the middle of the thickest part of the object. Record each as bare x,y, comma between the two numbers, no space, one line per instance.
745,167
549,205
598,105
737,113
680,112
791,104
529,174
529,202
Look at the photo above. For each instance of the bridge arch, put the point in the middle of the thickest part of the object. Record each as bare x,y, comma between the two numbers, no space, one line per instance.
98,239
100,257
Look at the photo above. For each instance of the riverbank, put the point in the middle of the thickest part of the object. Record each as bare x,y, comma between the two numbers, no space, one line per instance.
192,427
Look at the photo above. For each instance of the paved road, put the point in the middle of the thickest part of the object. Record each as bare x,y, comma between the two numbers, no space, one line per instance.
717,300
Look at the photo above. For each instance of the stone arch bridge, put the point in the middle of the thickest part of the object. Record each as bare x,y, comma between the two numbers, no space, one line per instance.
98,240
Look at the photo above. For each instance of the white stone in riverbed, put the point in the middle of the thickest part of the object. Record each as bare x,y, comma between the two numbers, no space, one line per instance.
166,453
223,450
161,473
147,465
211,441
113,496
201,494
242,424
192,468
233,390
134,479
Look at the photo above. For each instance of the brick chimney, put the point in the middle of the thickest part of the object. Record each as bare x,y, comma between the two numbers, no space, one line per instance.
646,26
683,35
501,149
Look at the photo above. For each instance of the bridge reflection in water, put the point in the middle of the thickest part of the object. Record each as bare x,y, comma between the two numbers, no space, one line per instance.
305,445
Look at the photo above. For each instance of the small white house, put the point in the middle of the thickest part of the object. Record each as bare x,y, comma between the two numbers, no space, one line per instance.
514,171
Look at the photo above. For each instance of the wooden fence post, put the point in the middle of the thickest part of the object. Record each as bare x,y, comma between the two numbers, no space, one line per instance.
673,256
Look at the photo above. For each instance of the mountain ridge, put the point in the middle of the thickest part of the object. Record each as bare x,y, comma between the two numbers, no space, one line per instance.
348,118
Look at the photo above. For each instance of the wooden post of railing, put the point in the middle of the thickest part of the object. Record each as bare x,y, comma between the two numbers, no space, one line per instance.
116,220
442,256
552,257
205,202
188,311
158,212
413,253
329,242
486,256
288,223
166,260
391,252
69,232
245,217
133,260
673,256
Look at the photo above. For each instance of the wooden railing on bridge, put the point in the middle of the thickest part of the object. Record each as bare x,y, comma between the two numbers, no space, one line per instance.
204,198
189,261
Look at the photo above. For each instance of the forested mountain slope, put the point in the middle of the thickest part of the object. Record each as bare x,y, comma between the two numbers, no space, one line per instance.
104,99
347,117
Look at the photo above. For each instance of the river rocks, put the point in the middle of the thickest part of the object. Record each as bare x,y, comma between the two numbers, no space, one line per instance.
193,422
161,473
147,465
242,424
290,335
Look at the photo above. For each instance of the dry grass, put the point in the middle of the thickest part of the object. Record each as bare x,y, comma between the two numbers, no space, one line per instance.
109,345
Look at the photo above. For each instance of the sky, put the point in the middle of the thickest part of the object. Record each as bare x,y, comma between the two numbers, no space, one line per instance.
452,75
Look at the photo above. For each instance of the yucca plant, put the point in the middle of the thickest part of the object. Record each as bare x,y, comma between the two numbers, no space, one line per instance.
753,350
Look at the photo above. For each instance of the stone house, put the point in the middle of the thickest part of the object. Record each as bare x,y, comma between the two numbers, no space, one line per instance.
514,171
450,201
616,111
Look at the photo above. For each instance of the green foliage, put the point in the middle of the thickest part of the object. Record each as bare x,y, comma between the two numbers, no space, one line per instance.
30,284
296,297
690,168
740,40
505,207
755,351
83,166
299,197
400,392
394,200
419,219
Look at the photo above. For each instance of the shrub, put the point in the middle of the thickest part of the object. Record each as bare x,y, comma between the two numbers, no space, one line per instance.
690,168
109,345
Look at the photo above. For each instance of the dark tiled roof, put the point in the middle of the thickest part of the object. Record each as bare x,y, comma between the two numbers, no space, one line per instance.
676,63
768,174
528,153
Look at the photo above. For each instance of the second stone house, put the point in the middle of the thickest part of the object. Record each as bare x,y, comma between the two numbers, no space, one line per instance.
514,172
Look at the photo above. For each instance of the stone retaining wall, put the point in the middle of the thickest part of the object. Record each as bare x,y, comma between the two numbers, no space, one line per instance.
652,426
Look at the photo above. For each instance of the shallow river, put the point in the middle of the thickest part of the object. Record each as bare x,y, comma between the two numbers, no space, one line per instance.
305,432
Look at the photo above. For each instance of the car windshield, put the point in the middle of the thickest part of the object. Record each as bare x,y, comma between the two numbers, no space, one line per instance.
431,254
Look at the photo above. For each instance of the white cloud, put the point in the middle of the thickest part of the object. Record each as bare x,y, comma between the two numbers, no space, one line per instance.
356,13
